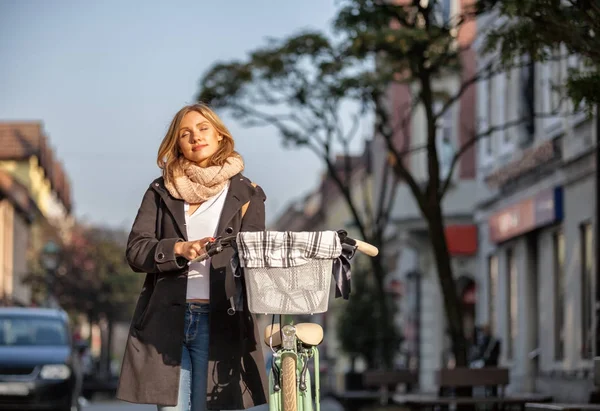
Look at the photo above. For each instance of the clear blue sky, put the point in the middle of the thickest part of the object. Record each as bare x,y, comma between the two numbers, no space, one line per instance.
106,77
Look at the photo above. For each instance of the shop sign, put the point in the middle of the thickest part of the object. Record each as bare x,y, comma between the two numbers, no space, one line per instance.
543,209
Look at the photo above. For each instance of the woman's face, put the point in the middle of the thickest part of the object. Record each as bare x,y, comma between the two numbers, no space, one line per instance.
197,139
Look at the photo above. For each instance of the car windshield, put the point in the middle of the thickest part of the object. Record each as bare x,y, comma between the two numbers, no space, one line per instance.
30,330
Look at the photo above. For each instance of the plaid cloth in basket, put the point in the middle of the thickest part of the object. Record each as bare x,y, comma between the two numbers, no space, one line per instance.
285,248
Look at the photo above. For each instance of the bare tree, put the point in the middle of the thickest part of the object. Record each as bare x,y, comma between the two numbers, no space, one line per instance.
297,86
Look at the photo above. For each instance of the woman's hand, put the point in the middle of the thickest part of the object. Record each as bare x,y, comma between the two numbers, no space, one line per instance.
191,249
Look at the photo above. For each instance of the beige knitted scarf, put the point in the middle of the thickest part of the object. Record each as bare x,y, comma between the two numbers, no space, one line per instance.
194,184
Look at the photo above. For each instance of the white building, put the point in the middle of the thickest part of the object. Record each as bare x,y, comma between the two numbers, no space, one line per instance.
536,213
422,317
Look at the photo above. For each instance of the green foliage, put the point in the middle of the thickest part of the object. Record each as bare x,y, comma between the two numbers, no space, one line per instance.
410,39
299,74
301,84
538,28
358,328
93,277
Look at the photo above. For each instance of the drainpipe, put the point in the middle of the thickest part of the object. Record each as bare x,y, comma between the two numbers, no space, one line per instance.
595,396
597,242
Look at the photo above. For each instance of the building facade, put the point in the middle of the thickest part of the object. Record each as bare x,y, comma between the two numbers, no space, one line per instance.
325,208
410,261
35,204
536,218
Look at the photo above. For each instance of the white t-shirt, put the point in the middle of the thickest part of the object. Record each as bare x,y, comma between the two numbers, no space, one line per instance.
203,223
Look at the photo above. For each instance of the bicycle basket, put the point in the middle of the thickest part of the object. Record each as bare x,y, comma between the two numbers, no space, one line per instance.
302,289
287,272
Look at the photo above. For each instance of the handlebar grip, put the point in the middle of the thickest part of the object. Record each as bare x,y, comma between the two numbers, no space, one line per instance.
199,259
366,248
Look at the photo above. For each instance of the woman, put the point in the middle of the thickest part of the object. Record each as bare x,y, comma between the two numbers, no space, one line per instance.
193,345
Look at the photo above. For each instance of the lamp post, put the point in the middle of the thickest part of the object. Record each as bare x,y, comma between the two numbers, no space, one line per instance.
49,259
595,396
414,278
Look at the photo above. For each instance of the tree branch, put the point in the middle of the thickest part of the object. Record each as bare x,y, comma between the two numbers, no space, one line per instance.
488,71
398,166
386,211
279,122
368,204
347,196
491,130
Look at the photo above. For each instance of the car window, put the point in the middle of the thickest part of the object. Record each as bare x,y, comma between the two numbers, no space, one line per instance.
29,330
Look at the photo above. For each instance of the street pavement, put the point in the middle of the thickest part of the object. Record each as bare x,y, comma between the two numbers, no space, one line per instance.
115,405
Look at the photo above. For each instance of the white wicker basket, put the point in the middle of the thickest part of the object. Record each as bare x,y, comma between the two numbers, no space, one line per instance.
302,289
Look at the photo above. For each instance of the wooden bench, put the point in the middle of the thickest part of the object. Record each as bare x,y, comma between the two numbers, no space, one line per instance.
421,401
468,377
387,381
562,407
379,385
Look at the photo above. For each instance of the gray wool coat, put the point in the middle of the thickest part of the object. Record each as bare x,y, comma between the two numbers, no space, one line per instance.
151,363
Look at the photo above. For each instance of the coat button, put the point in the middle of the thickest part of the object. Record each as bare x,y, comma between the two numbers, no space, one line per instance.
229,230
160,256
156,184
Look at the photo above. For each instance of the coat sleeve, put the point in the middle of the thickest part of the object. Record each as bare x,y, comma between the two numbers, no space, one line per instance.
146,253
254,219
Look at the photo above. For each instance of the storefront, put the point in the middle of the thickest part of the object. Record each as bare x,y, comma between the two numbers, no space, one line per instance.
536,267
525,216
519,232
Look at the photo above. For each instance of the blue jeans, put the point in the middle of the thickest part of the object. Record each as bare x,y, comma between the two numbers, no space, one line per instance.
194,361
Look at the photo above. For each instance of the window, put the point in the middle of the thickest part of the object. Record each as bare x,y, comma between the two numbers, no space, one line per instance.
557,80
447,123
444,139
493,290
527,98
31,330
489,113
587,296
446,10
482,120
512,307
490,102
559,294
509,104
442,11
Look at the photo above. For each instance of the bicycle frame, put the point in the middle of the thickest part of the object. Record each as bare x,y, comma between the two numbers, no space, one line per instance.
304,397
296,373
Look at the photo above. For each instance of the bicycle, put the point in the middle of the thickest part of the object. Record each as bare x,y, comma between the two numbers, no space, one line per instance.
293,345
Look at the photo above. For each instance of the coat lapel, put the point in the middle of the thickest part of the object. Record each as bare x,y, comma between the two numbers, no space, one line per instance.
174,205
237,195
176,208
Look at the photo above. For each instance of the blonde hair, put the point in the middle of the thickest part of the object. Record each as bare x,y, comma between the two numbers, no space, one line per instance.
168,152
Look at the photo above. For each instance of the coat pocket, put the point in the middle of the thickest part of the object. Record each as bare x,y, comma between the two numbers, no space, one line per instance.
139,322
141,309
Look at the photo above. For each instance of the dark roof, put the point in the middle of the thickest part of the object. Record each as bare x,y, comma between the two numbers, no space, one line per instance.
20,140
24,139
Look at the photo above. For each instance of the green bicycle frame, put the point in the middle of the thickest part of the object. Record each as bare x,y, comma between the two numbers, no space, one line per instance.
303,398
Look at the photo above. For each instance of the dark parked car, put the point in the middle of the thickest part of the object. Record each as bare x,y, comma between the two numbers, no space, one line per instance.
39,366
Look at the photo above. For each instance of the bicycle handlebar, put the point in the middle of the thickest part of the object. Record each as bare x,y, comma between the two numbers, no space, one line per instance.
217,246
365,247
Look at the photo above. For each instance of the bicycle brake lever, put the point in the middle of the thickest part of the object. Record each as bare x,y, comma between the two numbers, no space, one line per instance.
208,248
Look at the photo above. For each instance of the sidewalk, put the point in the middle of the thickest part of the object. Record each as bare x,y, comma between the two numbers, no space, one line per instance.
111,404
